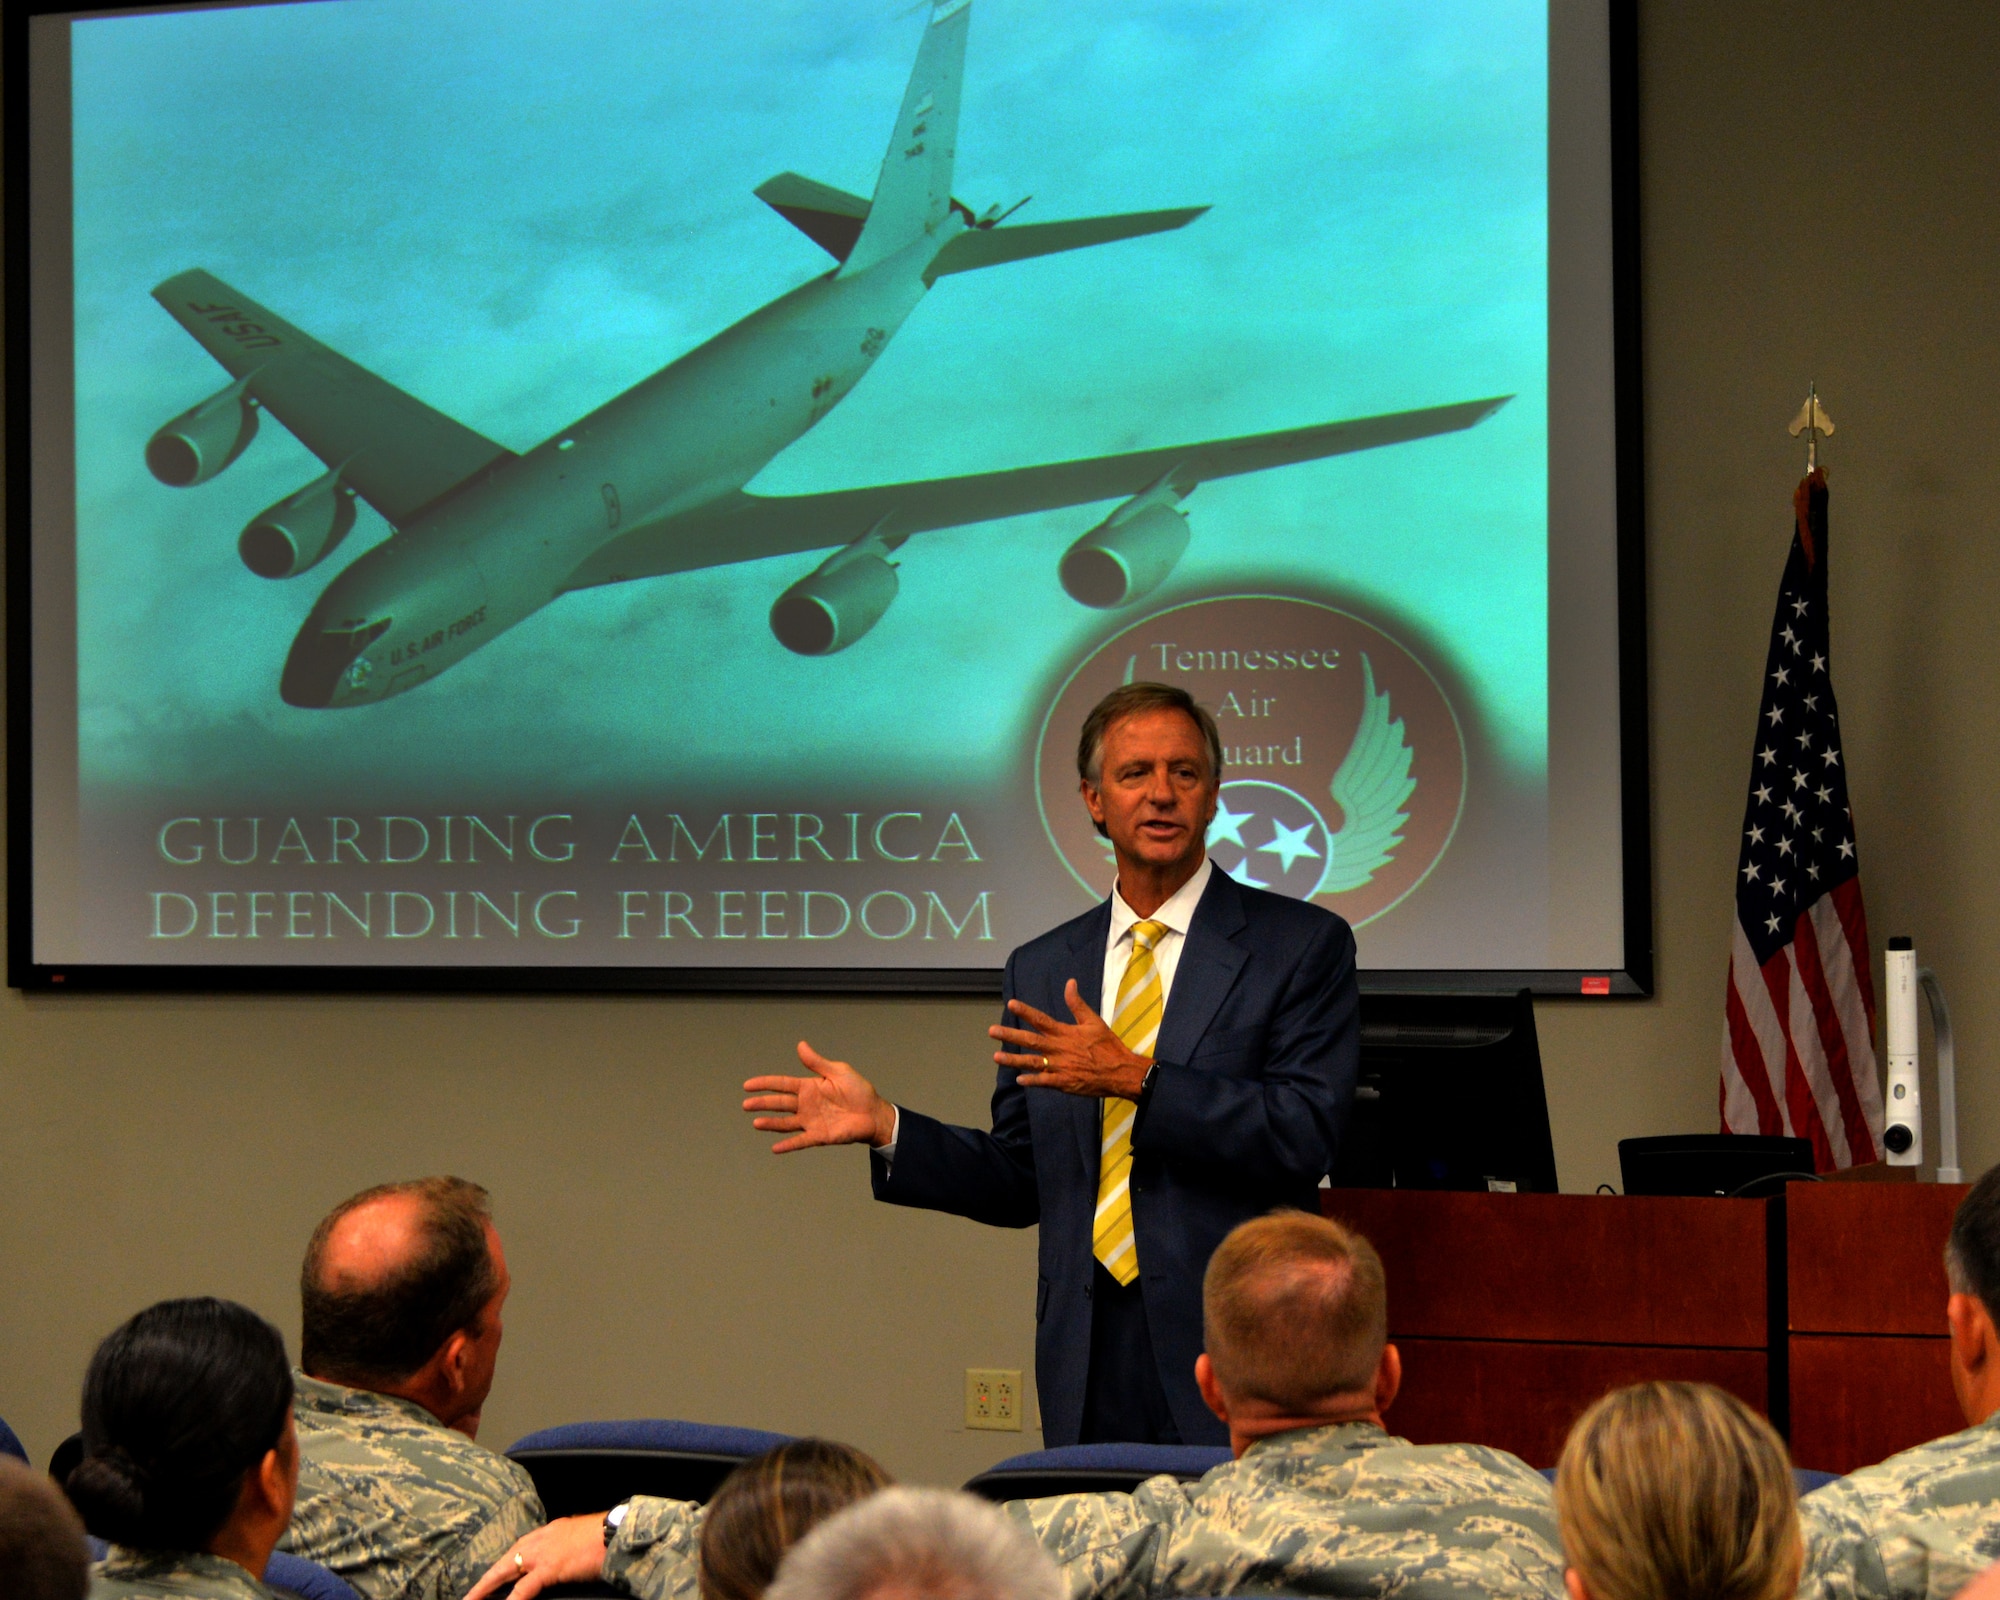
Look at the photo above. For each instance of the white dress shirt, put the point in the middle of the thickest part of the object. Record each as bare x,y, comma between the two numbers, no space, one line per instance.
1176,913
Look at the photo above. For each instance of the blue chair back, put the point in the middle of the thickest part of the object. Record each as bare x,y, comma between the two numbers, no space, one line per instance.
290,1575
1093,1469
10,1443
591,1466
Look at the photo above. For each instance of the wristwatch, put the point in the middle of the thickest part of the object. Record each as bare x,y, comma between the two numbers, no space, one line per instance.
612,1519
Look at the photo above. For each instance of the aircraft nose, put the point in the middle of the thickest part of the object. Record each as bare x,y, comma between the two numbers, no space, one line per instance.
320,657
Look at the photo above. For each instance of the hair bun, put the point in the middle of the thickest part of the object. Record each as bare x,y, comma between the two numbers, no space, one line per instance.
111,1492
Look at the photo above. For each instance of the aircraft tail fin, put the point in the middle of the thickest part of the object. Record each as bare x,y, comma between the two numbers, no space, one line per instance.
991,247
832,218
913,193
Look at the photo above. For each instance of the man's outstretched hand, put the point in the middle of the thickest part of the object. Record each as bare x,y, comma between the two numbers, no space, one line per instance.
568,1550
835,1105
1083,1057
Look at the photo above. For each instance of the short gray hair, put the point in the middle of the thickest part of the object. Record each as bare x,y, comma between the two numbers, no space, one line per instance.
1972,1254
1129,700
938,1543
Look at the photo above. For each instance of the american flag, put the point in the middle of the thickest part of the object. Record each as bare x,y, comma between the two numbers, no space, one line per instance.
1798,1045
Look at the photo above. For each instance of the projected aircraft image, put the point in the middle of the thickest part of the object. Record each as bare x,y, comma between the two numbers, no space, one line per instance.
655,482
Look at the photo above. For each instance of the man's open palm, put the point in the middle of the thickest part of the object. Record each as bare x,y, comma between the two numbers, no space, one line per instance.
835,1105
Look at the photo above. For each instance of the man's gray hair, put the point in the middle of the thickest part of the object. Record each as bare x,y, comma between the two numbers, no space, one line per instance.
1134,699
936,1543
1972,1254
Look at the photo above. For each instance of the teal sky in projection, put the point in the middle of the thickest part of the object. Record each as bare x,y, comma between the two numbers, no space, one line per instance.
515,211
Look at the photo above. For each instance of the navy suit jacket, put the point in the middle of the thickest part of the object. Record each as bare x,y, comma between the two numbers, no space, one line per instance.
1257,1056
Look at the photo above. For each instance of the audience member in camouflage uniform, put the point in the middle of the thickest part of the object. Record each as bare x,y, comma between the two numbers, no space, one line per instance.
189,1457
1321,1500
402,1289
1346,1509
1919,1525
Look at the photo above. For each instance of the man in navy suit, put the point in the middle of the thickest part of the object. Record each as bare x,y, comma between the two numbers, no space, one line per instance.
1241,1083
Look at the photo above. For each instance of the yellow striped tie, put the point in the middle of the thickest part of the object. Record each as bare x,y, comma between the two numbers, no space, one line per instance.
1136,1021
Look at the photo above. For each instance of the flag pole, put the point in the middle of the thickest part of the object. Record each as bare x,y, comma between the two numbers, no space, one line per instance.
1798,1037
1812,421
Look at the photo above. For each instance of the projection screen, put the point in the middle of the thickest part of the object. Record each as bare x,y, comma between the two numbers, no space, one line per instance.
643,494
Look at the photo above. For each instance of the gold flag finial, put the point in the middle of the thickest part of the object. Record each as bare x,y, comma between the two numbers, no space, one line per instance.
1812,421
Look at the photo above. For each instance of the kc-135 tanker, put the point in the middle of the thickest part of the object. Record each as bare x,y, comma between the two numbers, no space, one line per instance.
653,482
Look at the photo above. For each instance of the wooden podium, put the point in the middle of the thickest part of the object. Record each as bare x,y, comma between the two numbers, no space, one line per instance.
1868,1363
1824,1309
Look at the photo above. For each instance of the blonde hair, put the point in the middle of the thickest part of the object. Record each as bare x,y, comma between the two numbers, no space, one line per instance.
1678,1491
1294,1309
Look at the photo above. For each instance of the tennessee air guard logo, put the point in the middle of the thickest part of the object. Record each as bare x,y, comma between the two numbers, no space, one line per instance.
1343,761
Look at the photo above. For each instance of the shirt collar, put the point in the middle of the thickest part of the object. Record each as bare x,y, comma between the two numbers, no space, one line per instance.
1177,913
332,1398
1361,1435
164,1566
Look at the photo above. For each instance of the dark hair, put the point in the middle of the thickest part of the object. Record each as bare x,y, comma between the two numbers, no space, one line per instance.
178,1405
384,1331
42,1555
1972,1253
771,1502
1130,700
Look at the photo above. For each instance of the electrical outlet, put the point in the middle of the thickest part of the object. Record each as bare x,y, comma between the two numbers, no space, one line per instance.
993,1398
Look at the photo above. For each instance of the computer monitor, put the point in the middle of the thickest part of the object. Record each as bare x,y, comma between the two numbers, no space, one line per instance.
1713,1163
1450,1096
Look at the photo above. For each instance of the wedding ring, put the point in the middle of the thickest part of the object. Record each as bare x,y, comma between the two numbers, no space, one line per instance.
520,1566
1045,1063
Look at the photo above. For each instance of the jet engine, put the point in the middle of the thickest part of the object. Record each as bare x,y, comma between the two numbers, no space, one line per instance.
1126,555
300,531
200,442
831,607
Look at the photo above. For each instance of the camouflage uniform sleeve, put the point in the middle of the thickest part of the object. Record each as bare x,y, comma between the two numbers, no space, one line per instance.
657,1554
520,1513
1106,1544
1843,1562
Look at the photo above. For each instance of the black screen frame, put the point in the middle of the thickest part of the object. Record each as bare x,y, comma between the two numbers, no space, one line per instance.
1635,979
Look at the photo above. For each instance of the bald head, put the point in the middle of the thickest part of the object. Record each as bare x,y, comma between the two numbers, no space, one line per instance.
392,1274
374,1242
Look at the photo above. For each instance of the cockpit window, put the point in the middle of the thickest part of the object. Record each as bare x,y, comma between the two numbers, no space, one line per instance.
319,660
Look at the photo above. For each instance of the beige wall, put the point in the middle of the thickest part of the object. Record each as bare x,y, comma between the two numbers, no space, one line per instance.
1820,203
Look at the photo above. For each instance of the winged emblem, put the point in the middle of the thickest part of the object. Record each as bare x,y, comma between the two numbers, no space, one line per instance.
1372,788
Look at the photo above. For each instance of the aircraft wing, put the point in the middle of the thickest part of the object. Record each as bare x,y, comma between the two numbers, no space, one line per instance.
392,449
747,527
992,247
